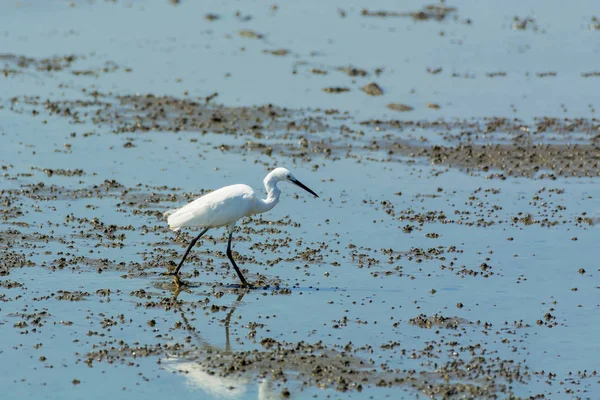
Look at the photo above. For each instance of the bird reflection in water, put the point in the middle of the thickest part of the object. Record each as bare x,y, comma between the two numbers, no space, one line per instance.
197,375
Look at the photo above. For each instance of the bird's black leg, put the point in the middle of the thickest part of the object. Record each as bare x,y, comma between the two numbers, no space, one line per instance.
187,251
244,283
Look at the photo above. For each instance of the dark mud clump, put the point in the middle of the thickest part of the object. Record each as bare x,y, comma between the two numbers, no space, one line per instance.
512,148
212,17
13,64
429,12
318,71
353,71
142,113
76,295
277,52
428,322
248,33
61,172
399,107
16,64
524,23
169,113
336,89
8,284
372,89
591,74
530,161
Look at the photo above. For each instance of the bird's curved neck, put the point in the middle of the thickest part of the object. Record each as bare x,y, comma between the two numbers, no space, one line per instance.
272,199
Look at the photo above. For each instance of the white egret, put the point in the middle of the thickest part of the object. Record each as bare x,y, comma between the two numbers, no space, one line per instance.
224,207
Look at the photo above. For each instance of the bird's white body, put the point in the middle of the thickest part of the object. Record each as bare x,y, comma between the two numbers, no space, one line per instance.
224,207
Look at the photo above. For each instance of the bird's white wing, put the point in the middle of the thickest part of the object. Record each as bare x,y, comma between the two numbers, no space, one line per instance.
221,207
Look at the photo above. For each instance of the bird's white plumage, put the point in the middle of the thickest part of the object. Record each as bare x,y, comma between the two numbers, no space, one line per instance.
224,207
215,209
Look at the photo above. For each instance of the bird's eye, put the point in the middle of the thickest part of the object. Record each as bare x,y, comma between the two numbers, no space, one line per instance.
289,176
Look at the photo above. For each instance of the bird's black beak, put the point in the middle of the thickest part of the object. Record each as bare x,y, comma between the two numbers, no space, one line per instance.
297,182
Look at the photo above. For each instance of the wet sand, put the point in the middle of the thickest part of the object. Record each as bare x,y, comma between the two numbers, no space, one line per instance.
451,252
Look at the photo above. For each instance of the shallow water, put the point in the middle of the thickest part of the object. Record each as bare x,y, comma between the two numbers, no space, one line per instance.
507,266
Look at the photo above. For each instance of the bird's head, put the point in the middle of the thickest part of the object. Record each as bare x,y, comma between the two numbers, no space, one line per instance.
284,174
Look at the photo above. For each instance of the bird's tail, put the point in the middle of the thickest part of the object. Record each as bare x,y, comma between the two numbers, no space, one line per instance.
167,214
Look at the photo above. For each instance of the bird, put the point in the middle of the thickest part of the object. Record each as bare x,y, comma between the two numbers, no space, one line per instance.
224,207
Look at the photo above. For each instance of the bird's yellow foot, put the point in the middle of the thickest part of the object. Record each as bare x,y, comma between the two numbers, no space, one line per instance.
178,282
